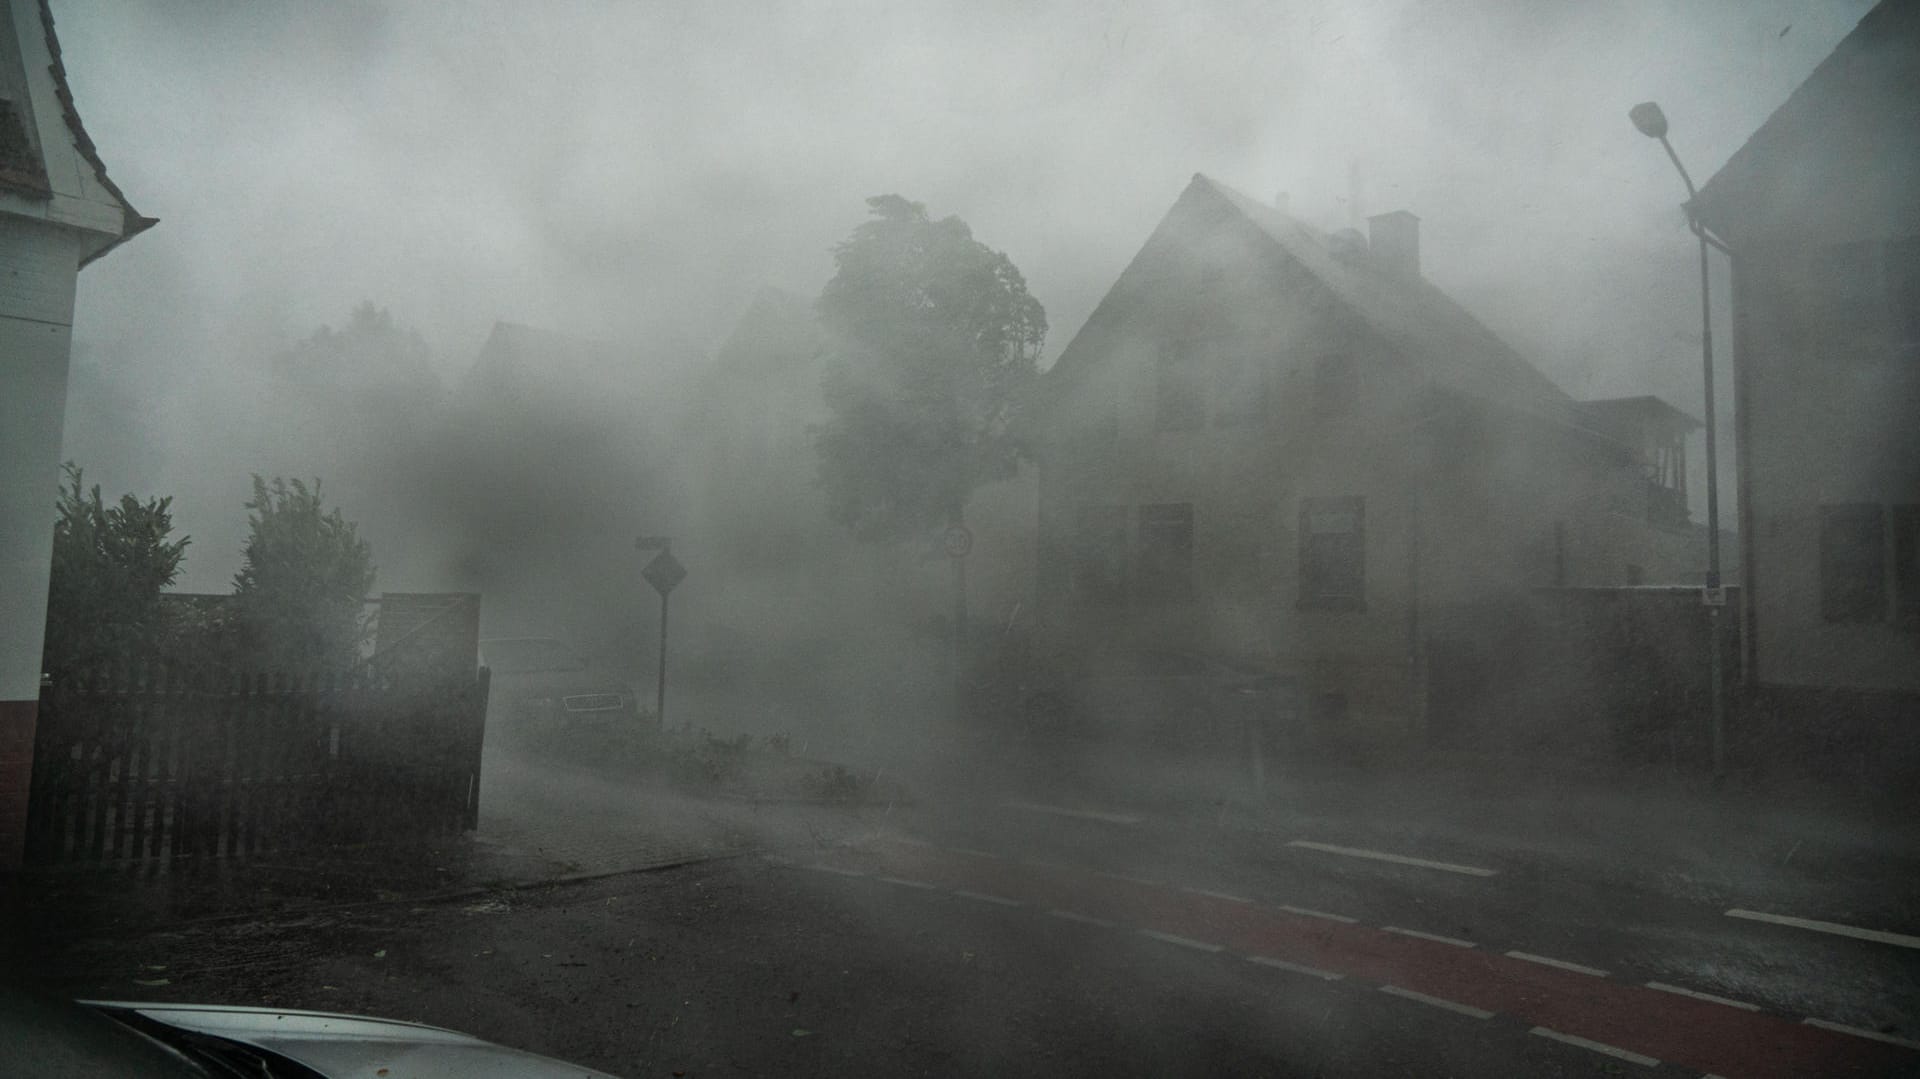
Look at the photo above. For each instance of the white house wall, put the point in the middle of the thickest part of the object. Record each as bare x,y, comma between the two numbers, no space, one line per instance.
37,268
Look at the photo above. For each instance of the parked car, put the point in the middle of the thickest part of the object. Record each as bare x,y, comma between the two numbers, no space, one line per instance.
543,686
47,1036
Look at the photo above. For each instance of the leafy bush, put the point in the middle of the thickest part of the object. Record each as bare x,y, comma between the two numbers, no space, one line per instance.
301,591
109,565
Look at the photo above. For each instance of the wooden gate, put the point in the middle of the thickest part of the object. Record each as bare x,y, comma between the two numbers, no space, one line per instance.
155,764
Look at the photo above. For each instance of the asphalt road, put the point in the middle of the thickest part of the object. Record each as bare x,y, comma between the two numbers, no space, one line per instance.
1009,935
751,968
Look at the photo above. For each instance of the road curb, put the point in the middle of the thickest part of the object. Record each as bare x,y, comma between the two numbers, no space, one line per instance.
474,891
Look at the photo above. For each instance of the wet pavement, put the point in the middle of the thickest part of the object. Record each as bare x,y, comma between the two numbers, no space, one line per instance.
1353,923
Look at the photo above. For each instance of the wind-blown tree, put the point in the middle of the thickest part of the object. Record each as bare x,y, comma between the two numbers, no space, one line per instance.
372,358
304,576
935,342
109,565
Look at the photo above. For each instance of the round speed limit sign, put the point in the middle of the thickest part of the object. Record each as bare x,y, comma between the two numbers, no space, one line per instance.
958,541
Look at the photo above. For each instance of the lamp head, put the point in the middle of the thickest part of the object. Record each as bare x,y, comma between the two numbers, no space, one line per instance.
1648,118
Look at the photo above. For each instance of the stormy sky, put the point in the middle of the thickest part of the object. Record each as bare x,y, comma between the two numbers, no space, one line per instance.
627,170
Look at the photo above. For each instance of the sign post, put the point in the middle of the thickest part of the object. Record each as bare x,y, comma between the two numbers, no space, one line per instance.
958,543
664,573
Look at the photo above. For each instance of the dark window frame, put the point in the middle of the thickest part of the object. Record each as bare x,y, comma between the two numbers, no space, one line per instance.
1336,384
1853,562
1098,566
1900,259
1904,522
1163,560
1242,389
1333,563
1179,394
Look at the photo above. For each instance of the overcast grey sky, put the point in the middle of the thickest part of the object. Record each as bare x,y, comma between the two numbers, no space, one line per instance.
620,169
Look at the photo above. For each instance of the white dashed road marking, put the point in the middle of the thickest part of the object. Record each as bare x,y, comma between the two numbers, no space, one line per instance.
1455,941
904,883
1305,913
1698,995
1438,1002
1598,1047
1084,919
1838,930
1184,942
983,897
1124,879
823,868
1081,814
1297,968
1861,1032
1397,859
1228,896
1561,963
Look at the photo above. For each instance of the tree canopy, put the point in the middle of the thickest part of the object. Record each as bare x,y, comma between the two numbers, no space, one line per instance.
372,356
109,565
303,580
935,340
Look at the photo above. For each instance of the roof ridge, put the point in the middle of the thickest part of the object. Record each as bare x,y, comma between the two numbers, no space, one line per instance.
132,221
1437,301
1804,96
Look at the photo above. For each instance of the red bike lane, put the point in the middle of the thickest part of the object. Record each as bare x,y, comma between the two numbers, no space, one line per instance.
1713,1038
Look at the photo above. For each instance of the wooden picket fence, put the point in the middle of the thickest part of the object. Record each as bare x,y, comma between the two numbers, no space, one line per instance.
158,765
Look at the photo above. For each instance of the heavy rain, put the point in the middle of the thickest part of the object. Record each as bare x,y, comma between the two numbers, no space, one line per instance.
1111,538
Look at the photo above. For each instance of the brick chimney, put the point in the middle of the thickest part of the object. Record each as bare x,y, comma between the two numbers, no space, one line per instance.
1395,241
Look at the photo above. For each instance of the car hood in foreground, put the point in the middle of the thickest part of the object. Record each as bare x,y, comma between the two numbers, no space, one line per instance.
355,1045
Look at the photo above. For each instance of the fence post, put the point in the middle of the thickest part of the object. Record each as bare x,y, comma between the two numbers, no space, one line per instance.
483,682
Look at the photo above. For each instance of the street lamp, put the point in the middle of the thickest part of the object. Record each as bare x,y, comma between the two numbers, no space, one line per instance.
1651,122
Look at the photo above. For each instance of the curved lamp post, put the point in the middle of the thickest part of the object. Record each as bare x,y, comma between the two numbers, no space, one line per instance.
1651,122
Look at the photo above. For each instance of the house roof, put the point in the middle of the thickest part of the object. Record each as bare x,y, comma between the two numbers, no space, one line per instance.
1645,406
1841,144
595,376
776,326
1423,324
49,181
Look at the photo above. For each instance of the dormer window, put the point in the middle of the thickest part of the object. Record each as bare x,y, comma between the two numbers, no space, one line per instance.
1336,386
1179,403
21,167
15,148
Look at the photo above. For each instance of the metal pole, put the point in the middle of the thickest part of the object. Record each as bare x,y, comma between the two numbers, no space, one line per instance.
660,680
1717,690
959,634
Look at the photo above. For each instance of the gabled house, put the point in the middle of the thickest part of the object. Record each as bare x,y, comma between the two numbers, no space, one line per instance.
58,212
550,459
1820,211
743,453
1284,448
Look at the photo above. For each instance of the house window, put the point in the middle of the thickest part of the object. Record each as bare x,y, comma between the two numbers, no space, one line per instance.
1853,557
1166,552
1097,424
1240,389
1333,560
1906,564
1335,385
1903,289
1099,574
15,148
1178,402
